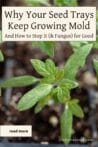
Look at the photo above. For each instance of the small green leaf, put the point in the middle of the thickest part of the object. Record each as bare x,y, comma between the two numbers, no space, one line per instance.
65,2
68,84
0,91
95,62
59,2
61,95
36,2
19,81
75,108
50,66
48,80
95,43
40,67
77,44
1,57
76,61
70,2
59,75
66,125
0,37
46,47
41,104
33,96
66,93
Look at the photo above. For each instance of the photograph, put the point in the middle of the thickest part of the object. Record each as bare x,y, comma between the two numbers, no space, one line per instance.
48,73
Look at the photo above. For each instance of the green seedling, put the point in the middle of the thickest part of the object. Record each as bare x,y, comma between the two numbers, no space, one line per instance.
52,85
55,83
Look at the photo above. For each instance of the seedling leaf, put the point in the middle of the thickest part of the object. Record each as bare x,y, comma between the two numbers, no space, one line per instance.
50,66
76,61
76,109
66,125
69,84
40,67
41,104
1,57
33,96
19,81
65,2
95,62
95,44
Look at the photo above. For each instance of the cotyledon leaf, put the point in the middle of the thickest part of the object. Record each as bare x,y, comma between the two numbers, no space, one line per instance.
41,104
33,96
76,60
19,81
66,125
50,66
76,109
40,67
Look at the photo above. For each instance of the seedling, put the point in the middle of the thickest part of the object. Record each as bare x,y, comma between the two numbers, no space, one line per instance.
56,83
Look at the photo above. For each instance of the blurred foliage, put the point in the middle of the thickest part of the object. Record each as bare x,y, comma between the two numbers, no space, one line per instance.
0,36
46,47
76,61
1,56
65,3
52,85
36,2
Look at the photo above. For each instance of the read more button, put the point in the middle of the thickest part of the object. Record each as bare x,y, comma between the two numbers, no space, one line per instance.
16,131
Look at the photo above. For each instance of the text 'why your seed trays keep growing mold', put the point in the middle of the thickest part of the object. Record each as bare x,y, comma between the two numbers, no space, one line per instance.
48,23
